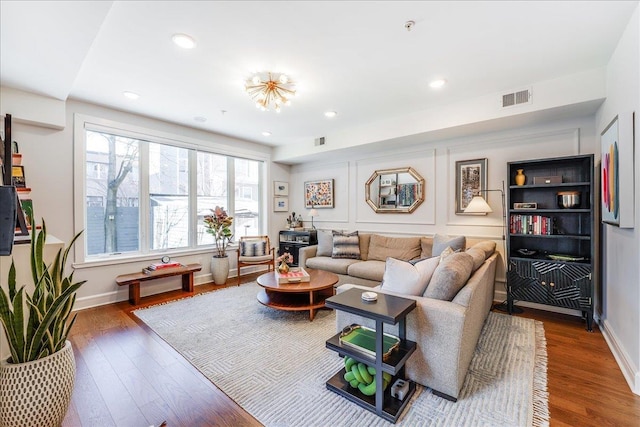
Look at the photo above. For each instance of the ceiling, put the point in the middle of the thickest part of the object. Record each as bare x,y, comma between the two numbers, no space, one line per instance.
355,58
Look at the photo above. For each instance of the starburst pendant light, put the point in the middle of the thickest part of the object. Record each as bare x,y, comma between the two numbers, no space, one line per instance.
270,90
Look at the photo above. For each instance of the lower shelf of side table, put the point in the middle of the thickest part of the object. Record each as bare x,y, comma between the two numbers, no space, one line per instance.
392,407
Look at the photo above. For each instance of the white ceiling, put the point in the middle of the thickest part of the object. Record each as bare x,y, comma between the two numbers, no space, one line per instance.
355,58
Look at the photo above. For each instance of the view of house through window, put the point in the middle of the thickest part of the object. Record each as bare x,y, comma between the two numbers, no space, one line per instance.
112,177
133,185
168,196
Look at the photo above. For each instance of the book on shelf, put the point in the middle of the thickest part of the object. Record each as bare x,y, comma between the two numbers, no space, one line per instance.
294,275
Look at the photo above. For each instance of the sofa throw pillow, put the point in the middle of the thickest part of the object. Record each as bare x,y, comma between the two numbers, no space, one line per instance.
408,277
441,242
345,245
404,248
426,246
487,246
446,252
478,257
450,276
325,243
255,247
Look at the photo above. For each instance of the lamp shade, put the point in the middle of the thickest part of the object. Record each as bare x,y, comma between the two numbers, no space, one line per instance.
478,205
313,212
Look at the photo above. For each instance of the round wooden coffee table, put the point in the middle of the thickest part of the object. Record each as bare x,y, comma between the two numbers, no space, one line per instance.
297,296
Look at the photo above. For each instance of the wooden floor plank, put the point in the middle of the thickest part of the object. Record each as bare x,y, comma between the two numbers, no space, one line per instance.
586,387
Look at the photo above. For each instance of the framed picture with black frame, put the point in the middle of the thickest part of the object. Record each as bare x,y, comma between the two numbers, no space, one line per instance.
471,179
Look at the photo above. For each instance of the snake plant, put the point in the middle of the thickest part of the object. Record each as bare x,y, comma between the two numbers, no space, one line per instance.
37,324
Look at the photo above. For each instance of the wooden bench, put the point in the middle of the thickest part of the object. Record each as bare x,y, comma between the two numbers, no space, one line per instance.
133,280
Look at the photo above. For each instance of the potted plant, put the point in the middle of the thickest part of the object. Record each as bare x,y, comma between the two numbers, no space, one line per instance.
219,225
36,381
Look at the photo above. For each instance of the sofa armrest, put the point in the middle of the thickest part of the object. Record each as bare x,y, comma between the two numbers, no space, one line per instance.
306,252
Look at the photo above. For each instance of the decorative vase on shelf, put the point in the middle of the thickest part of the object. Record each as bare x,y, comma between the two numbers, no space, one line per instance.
283,268
520,177
220,269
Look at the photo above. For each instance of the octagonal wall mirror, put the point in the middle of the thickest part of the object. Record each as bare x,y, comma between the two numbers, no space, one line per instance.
395,190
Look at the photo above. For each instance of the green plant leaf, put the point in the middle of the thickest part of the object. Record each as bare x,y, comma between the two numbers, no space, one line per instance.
6,316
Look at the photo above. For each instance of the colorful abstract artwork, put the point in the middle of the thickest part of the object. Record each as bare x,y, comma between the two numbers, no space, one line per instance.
318,194
610,174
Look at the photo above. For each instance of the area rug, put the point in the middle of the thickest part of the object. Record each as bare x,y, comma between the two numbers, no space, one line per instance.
275,364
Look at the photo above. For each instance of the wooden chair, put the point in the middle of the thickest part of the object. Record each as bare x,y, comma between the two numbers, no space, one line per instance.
255,250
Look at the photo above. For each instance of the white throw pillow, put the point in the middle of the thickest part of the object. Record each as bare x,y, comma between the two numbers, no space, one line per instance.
408,278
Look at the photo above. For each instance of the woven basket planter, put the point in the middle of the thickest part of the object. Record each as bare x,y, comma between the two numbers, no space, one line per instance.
37,393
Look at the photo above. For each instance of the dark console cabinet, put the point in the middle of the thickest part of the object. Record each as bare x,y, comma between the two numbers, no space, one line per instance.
552,257
291,241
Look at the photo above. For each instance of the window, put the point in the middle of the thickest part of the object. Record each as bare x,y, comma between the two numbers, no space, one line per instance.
111,227
212,190
145,193
168,197
247,202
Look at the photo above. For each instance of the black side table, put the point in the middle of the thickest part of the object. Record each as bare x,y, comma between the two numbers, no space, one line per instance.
387,309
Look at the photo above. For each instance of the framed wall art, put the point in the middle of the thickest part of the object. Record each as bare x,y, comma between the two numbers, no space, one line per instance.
616,172
318,194
280,188
471,178
281,204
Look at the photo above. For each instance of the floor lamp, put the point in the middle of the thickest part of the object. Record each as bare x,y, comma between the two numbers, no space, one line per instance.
478,205
313,213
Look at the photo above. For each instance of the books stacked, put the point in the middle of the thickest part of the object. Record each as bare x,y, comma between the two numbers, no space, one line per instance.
531,224
295,275
160,266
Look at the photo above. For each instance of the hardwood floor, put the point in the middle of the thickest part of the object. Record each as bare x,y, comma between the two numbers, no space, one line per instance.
128,377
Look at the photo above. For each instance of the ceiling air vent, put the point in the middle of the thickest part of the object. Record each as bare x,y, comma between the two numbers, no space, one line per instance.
319,141
516,98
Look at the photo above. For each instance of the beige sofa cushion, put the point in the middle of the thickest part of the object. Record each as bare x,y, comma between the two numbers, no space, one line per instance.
334,265
403,248
450,276
426,246
371,270
478,257
365,240
487,246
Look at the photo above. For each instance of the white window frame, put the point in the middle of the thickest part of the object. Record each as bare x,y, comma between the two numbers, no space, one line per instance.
83,122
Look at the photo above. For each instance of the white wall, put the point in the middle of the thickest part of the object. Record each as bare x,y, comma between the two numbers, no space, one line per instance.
435,162
620,318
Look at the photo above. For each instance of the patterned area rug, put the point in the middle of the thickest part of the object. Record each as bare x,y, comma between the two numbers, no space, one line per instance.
274,364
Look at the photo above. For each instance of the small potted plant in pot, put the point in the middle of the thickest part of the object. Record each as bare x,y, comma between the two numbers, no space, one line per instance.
37,380
219,225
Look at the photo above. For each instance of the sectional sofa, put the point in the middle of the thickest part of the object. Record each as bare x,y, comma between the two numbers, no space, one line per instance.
450,312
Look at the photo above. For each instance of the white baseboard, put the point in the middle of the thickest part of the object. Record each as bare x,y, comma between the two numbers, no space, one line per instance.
629,371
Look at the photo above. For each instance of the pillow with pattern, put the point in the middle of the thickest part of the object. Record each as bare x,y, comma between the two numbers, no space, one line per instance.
345,245
253,247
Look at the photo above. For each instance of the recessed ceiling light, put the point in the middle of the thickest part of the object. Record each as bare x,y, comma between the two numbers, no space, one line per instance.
437,83
200,119
184,41
131,95
265,133
330,114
